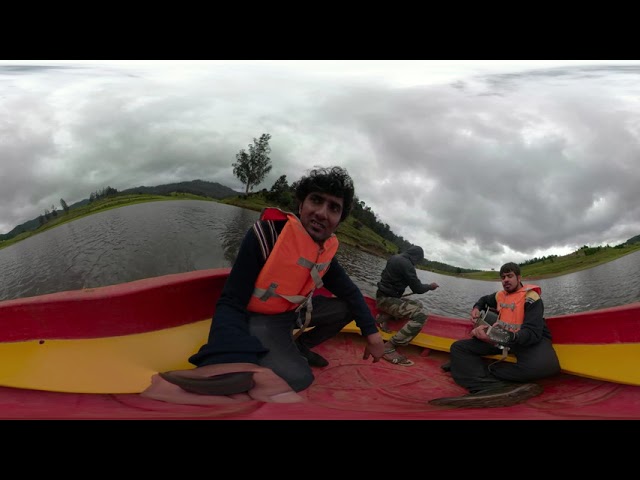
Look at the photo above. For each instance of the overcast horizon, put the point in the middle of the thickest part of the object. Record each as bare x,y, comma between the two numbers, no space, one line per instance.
478,162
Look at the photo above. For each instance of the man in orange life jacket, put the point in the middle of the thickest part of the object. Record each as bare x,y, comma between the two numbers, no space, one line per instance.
251,353
524,333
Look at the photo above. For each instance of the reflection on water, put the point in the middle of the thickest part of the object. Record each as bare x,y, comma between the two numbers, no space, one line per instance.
158,238
124,244
235,230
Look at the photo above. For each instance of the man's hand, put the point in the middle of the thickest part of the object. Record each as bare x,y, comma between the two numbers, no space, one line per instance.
267,386
475,313
501,336
480,333
434,285
374,348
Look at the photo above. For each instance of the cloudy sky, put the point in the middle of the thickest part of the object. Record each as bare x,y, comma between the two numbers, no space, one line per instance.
479,162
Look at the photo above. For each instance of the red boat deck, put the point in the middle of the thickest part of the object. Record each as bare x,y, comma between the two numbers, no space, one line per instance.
349,388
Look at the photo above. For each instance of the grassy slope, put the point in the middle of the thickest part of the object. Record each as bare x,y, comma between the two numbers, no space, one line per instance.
362,238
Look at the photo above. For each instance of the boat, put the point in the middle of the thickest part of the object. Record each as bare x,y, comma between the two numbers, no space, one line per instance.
87,354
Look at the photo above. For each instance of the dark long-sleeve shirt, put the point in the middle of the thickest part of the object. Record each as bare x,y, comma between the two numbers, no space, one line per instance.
534,327
400,273
229,338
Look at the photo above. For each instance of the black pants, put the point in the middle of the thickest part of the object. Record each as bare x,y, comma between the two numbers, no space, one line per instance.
275,332
470,370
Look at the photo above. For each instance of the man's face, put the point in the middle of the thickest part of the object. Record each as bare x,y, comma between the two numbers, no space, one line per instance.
320,215
510,281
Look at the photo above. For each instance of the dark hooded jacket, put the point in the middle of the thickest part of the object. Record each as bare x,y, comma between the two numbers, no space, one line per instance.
400,273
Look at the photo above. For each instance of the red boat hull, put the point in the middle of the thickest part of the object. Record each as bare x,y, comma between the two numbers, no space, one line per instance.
61,347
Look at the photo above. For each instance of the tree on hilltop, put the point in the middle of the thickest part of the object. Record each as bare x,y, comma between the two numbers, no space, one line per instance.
251,168
64,205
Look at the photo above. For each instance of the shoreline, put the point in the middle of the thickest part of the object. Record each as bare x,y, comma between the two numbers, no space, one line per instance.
584,261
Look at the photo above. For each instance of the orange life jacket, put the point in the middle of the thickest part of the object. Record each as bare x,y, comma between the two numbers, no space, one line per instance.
511,306
294,268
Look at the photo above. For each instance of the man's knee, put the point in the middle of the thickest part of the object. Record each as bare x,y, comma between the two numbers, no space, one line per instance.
552,367
346,320
456,347
296,372
419,318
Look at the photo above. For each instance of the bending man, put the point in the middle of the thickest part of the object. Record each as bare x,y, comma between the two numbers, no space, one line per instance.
398,274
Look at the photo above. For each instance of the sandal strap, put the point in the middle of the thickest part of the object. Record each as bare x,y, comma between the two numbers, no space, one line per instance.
400,359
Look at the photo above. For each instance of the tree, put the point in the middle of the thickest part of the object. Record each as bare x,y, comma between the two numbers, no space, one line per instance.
64,205
252,167
281,193
280,185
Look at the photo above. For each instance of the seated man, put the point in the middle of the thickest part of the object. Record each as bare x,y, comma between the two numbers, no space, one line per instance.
523,331
251,352
398,274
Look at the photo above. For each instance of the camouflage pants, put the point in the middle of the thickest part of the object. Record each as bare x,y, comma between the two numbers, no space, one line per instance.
412,310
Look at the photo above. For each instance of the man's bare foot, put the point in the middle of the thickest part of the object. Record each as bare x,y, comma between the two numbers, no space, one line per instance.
267,387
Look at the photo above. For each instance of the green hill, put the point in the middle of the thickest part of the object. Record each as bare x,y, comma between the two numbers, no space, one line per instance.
354,231
194,187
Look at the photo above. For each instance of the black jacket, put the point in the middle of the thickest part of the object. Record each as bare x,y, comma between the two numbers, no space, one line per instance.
400,273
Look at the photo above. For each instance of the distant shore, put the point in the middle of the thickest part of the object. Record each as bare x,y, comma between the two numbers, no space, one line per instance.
367,241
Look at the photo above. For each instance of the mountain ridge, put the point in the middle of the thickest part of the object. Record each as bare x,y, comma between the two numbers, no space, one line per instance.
203,188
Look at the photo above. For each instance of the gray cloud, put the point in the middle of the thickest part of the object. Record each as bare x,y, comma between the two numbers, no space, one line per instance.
478,168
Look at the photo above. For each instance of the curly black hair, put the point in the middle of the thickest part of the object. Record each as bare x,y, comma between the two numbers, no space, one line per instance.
332,180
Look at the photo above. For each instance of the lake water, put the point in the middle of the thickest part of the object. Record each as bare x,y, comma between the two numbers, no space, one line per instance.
159,238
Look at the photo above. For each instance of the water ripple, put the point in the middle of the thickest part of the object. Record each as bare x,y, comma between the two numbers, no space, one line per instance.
159,238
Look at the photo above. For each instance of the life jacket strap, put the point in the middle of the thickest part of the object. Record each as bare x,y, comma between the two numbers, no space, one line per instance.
314,270
308,310
505,353
265,294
